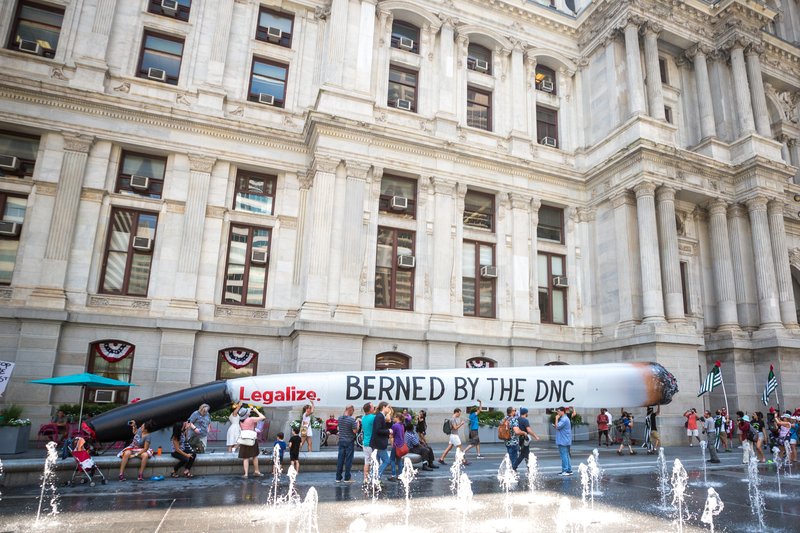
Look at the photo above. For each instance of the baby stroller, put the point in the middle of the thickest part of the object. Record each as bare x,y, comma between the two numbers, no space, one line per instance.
85,467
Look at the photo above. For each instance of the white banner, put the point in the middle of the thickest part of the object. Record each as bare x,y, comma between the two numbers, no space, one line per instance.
6,368
586,386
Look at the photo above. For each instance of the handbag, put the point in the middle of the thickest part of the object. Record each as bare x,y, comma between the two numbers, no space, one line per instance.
247,438
402,450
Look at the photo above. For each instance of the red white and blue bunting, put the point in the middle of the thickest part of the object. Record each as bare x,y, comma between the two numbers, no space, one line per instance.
479,362
113,351
238,358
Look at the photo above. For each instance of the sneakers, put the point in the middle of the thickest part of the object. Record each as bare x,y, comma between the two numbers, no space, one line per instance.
349,480
633,452
434,465
479,456
338,481
619,452
565,474
139,478
427,468
122,477
441,462
691,445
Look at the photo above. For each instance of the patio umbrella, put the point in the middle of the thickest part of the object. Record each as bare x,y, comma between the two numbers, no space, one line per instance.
83,380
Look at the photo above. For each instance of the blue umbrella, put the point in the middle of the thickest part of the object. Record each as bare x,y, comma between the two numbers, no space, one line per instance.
83,380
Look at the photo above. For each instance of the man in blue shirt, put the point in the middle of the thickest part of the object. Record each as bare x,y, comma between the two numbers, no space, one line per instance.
563,426
524,436
474,439
348,429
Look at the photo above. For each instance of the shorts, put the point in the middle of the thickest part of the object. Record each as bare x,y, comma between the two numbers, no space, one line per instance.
654,435
692,433
473,437
294,456
367,454
454,440
626,438
792,441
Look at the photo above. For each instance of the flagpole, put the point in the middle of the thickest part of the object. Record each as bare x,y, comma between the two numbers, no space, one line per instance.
778,395
725,394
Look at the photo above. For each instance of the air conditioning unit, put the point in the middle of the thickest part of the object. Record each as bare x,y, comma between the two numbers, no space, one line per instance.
546,86
549,141
32,47
406,261
399,203
142,244
9,162
404,104
9,229
169,7
157,74
105,396
140,182
264,98
258,257
560,281
488,271
274,34
481,65
406,43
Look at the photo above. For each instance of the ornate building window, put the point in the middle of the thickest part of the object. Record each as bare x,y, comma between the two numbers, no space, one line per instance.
478,282
398,196
402,89
160,58
141,175
552,288
479,210
268,82
12,209
17,154
129,252
545,79
247,266
236,363
547,126
110,359
36,29
479,109
479,58
392,361
551,224
394,269
177,9
405,36
255,193
275,27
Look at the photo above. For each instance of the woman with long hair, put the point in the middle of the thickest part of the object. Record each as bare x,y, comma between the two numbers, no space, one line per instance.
139,447
306,431
181,450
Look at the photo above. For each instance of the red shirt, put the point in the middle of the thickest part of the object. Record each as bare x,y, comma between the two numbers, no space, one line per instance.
602,422
692,421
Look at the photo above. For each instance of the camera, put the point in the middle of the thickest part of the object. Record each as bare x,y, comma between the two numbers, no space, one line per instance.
131,422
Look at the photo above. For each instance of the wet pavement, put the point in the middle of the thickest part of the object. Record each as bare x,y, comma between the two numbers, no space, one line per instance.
627,500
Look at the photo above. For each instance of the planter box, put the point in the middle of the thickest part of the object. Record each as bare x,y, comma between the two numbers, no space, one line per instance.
14,439
580,433
488,434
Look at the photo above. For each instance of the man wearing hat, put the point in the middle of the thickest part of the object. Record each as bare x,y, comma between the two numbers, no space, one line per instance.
744,437
525,432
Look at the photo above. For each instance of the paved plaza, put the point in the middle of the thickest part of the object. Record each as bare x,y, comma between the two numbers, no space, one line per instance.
627,500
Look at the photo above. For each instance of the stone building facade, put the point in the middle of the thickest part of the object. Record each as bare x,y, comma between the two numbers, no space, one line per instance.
193,189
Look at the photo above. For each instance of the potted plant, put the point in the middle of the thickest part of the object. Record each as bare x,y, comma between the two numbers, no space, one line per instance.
488,422
15,431
580,429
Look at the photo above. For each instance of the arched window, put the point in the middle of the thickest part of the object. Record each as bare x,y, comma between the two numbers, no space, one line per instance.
236,363
479,58
392,361
481,362
545,79
405,36
111,359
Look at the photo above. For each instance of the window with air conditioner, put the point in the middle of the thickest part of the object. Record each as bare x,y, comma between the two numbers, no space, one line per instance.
488,271
394,269
104,396
9,162
479,58
160,57
405,36
545,79
141,175
128,255
478,290
247,266
547,126
17,154
398,196
552,297
36,28
177,9
275,27
268,82
12,216
551,224
112,358
402,88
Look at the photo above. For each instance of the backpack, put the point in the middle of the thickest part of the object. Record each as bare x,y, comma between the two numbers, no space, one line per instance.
504,430
446,428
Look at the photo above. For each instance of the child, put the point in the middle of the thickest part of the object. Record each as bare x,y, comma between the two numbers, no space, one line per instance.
294,449
280,443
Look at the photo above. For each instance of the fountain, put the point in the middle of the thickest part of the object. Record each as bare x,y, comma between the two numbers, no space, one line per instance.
464,497
455,471
406,477
786,446
679,481
594,475
584,471
563,514
508,480
703,446
49,481
292,497
307,522
713,507
754,491
663,479
373,481
776,458
533,471
277,470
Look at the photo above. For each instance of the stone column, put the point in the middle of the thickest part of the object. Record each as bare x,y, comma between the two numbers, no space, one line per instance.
64,218
530,85
519,111
520,262
780,257
444,209
337,41
384,52
792,23
366,44
743,267
92,46
699,54
633,67
352,242
462,44
794,153
219,40
759,99
652,297
536,313
447,70
655,95
768,306
670,261
629,301
744,106
722,265
193,224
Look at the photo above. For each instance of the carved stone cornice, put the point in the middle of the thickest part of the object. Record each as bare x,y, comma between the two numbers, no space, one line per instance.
666,193
519,201
758,203
775,206
754,49
718,206
358,170
75,142
586,214
645,188
443,185
650,28
201,163
736,211
536,204
622,198
448,21
306,179
698,49
325,164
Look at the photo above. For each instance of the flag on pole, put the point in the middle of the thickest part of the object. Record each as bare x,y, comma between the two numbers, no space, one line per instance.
772,384
713,379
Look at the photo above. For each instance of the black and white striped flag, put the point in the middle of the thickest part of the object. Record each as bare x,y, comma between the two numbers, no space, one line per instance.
713,379
772,384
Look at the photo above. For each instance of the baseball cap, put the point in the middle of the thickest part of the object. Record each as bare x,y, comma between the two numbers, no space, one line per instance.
523,410
746,418
771,409
786,415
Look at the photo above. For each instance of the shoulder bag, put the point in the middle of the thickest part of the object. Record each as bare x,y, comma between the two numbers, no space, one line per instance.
247,438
